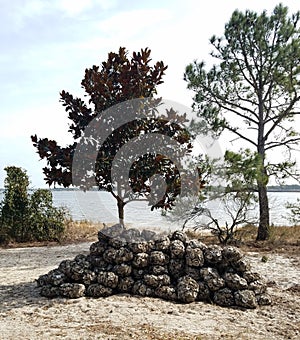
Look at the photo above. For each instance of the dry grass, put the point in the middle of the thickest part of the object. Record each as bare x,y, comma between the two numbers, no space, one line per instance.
75,232
282,239
279,235
80,231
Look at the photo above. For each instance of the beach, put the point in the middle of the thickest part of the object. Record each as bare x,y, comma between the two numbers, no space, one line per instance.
24,314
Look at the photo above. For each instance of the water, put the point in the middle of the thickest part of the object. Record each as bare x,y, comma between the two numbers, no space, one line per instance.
101,207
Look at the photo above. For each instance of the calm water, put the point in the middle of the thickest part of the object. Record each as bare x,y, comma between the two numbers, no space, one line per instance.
101,207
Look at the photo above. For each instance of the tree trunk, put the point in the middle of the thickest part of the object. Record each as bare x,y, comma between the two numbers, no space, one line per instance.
263,232
121,205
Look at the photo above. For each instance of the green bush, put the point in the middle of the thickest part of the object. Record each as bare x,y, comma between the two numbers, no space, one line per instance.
15,204
46,222
25,217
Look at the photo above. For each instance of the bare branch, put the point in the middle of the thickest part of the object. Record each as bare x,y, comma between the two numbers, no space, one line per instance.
286,143
281,116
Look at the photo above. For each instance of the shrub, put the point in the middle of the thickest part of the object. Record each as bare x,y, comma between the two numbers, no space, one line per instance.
25,217
46,222
14,207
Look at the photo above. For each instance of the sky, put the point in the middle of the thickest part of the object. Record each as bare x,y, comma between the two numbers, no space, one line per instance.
46,45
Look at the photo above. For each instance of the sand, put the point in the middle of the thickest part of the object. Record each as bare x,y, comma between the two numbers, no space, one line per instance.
26,315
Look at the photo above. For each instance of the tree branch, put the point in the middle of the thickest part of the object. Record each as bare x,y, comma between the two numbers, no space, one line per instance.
281,116
286,143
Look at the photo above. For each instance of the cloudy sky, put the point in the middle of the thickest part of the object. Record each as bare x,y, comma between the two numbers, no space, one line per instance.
47,44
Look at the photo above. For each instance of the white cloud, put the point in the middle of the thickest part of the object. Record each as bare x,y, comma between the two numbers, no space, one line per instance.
106,4
32,8
132,24
20,12
74,8
71,7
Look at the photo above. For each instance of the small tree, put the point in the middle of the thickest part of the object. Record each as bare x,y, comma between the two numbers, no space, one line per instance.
235,209
15,204
230,185
45,221
118,80
25,217
253,92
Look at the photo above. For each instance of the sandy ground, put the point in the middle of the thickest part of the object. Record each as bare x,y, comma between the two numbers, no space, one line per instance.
26,315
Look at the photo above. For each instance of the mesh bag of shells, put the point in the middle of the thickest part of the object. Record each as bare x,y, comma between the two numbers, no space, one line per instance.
171,267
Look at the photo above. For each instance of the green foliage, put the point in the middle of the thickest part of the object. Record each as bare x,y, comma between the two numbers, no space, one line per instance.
241,170
258,64
15,205
253,91
46,222
294,215
26,217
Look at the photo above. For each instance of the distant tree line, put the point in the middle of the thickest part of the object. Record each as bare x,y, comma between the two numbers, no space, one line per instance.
284,188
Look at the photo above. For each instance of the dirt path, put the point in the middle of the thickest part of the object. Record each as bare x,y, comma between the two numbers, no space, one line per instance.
26,315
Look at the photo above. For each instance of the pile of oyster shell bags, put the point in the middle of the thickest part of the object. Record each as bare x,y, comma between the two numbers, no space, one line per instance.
171,267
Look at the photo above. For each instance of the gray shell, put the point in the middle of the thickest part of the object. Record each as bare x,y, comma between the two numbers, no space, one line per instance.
169,267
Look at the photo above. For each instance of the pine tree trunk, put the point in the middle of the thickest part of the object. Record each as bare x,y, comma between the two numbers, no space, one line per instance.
263,232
